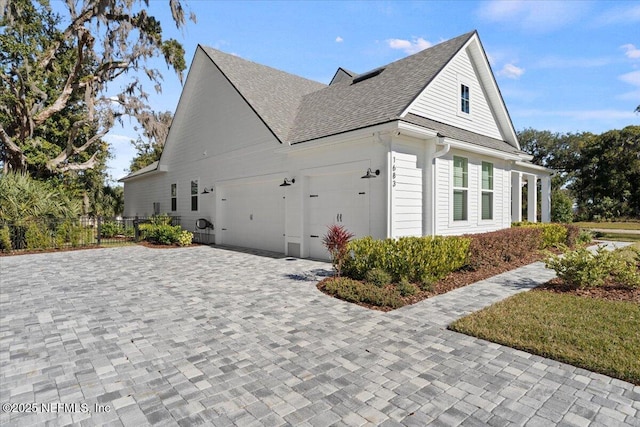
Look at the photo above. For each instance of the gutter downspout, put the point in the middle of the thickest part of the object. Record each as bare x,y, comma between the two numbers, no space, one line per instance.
443,151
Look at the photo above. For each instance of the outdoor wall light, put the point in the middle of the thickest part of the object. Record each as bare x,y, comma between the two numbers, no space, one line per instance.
371,174
288,182
205,191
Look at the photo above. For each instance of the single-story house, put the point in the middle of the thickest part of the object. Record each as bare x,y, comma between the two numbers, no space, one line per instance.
421,146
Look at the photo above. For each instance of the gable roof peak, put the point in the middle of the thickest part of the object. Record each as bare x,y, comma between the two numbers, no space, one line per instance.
274,95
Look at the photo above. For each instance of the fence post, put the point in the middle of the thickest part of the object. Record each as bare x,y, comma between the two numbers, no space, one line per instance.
136,230
99,229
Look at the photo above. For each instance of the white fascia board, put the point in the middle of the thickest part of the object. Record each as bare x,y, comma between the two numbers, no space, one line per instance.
420,132
338,139
160,169
524,167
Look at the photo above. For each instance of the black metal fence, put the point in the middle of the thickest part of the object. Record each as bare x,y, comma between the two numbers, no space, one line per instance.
45,234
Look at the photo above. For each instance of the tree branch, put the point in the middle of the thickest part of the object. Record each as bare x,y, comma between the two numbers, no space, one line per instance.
13,149
67,91
89,164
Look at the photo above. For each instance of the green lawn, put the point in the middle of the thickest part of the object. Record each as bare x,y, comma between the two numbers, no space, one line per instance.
598,335
621,237
631,225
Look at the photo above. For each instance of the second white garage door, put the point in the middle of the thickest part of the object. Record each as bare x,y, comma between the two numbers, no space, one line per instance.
252,216
341,199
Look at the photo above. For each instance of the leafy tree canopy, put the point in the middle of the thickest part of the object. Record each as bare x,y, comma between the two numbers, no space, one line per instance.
57,98
601,172
149,146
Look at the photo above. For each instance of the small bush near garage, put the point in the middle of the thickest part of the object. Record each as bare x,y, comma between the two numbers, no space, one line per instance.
417,259
164,234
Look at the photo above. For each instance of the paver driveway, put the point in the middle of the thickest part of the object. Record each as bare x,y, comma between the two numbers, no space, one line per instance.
210,336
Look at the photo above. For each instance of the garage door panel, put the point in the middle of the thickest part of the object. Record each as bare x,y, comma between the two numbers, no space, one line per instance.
341,199
253,216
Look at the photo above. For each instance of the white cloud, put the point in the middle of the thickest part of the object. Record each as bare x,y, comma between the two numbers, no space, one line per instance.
633,78
339,39
409,46
511,71
532,16
631,51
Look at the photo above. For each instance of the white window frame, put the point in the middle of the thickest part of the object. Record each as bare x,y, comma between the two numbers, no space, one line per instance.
464,189
460,82
196,195
489,191
173,192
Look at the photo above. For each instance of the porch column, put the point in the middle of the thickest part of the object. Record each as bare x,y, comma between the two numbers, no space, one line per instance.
545,200
532,198
516,197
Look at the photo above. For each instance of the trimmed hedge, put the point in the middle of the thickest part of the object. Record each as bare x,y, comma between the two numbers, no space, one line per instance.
553,234
417,259
499,247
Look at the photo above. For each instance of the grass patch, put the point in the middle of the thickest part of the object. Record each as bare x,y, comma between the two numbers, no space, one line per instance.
594,334
631,225
620,237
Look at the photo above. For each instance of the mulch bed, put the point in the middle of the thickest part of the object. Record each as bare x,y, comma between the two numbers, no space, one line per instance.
462,278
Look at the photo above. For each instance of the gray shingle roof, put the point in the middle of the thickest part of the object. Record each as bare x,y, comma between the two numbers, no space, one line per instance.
298,110
344,106
274,95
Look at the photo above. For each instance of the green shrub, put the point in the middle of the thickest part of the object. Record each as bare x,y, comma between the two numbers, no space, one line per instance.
413,258
576,236
584,237
378,277
111,229
583,268
406,288
5,239
37,237
552,234
162,219
358,292
503,246
165,234
561,207
185,238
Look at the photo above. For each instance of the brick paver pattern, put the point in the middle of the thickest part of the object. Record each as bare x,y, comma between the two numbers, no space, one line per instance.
210,336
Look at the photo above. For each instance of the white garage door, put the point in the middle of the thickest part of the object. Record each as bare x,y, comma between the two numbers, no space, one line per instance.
341,199
252,216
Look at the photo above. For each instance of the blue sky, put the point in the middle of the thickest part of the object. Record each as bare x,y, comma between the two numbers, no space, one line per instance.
567,66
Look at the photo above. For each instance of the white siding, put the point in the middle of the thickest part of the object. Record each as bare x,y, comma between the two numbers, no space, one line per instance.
407,195
445,225
440,101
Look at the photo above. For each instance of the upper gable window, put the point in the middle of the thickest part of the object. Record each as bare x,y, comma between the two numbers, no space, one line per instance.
464,99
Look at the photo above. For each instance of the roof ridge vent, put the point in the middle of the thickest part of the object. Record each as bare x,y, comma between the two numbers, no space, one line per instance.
368,75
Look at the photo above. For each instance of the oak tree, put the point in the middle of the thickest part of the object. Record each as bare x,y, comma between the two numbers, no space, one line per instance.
67,78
